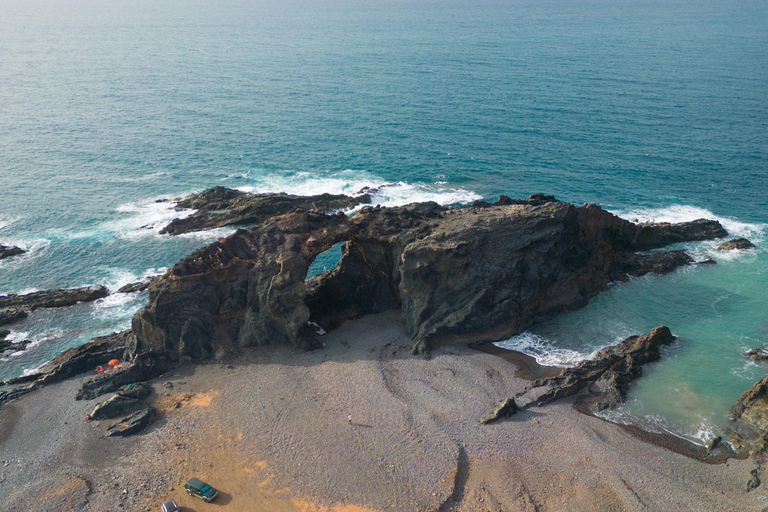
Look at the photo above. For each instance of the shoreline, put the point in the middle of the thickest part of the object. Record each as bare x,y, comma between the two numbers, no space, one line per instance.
269,429
531,370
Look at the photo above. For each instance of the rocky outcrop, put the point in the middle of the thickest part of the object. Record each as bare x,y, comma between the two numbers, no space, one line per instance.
141,369
138,286
17,307
7,252
660,234
758,355
10,315
53,298
220,207
121,416
748,430
131,424
9,347
605,378
740,244
68,364
472,273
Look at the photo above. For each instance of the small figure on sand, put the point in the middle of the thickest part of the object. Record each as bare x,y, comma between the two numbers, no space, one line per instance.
349,418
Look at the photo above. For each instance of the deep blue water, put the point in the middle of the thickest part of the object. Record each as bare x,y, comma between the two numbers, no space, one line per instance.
654,109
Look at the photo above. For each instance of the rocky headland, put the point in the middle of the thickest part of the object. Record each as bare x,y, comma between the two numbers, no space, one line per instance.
479,272
435,275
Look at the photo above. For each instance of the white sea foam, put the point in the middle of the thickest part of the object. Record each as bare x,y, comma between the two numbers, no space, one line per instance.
543,350
353,183
755,232
145,218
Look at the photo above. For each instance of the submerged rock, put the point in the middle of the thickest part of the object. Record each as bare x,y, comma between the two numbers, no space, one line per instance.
606,377
220,207
7,252
470,273
735,244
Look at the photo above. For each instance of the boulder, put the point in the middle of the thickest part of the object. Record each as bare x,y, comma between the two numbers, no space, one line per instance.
138,390
132,423
220,207
606,377
116,406
7,252
471,273
740,244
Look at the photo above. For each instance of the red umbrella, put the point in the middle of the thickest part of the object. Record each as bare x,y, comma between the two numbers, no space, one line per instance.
113,362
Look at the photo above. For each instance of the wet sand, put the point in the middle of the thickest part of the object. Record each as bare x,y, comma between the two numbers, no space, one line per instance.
272,434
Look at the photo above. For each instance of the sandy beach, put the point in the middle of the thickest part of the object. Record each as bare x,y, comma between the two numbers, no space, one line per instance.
270,429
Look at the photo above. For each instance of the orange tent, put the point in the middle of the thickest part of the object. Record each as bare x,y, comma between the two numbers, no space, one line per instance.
113,362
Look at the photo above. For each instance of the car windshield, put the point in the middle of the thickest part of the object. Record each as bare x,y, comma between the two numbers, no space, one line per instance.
205,488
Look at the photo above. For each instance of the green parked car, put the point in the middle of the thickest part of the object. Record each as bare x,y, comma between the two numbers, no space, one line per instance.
200,489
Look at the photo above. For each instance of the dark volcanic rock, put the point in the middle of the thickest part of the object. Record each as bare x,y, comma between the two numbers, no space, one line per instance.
7,252
219,207
758,354
131,424
137,390
138,286
10,315
606,377
735,244
86,357
470,273
659,234
4,334
748,430
53,298
141,369
116,406
8,347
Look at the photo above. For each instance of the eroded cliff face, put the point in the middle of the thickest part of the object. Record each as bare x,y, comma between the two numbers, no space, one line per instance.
471,273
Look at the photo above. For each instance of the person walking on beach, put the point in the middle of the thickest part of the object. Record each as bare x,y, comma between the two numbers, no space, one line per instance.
349,418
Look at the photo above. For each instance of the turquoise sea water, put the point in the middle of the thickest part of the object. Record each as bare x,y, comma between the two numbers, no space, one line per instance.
653,109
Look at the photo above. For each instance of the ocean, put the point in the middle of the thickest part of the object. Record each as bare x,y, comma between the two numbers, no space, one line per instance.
656,110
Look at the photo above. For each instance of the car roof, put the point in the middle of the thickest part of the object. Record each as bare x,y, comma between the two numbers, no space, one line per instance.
194,482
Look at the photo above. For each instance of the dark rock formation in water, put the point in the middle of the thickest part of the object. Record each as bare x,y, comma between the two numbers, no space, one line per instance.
9,347
757,354
17,307
7,252
219,207
606,377
740,244
480,272
138,286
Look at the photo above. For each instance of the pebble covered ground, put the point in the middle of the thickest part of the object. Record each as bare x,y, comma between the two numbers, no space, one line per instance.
271,430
